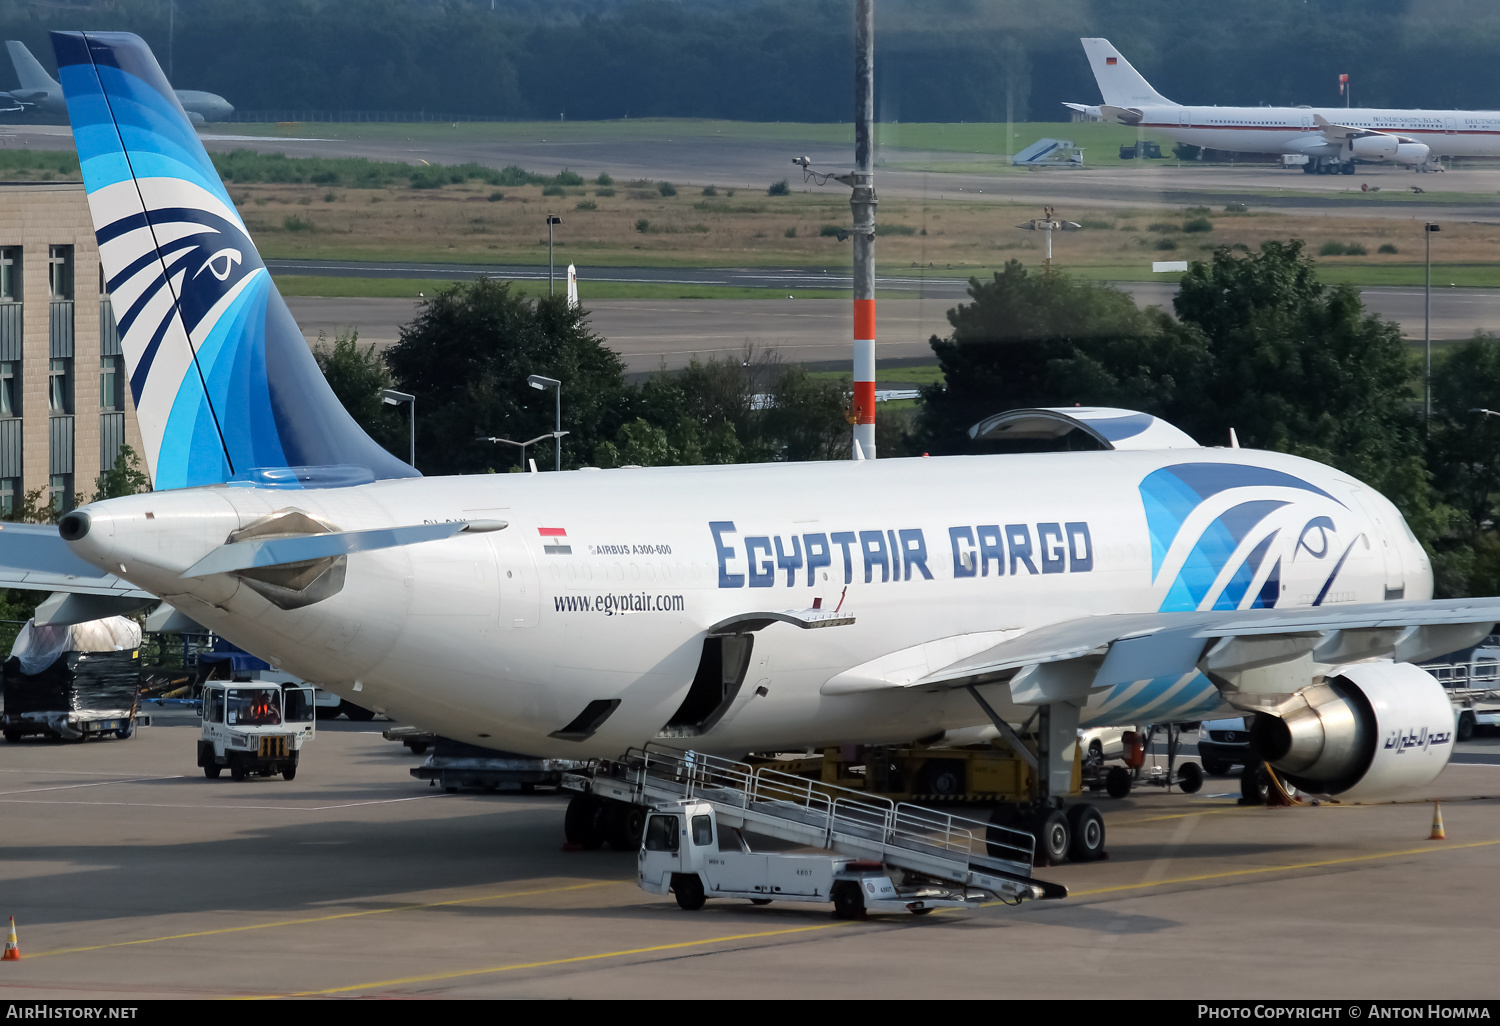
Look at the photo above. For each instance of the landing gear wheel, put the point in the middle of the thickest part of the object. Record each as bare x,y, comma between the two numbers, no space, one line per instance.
1189,778
1053,837
760,901
1254,784
212,770
1088,833
848,900
1349,168
1117,782
1465,725
623,826
583,824
942,777
688,889
1215,767
417,747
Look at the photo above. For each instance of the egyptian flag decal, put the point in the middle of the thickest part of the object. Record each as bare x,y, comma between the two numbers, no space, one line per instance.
555,541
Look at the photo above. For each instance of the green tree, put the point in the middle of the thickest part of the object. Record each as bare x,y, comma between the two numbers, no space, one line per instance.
124,478
466,358
1030,339
1300,367
357,374
1464,454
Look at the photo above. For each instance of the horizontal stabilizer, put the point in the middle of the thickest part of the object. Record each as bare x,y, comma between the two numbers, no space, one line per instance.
34,557
62,609
264,552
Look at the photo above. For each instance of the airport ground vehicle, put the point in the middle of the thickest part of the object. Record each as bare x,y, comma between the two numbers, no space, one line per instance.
1223,745
454,766
72,682
253,728
937,856
686,852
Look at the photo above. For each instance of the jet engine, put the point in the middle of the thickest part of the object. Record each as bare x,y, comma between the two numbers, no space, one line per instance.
1366,730
1375,147
1412,153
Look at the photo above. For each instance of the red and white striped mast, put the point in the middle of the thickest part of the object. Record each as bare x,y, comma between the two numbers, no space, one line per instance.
862,204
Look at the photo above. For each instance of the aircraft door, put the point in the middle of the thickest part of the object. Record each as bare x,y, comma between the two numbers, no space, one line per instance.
1184,118
1385,541
520,588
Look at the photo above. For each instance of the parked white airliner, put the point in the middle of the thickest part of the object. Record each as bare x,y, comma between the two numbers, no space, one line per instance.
726,609
1333,138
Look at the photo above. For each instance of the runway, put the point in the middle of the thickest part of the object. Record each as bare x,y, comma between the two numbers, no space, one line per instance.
749,163
651,334
130,876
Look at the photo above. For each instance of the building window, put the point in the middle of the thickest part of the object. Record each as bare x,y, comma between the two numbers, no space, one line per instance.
60,491
60,271
10,388
60,385
111,383
10,274
10,487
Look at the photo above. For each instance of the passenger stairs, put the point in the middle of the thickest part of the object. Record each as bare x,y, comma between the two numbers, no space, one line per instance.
938,845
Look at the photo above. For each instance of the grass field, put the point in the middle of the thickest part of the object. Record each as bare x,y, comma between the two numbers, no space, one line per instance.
634,224
407,288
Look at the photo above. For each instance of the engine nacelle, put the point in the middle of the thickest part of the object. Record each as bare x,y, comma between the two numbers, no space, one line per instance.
1375,147
1369,729
1412,153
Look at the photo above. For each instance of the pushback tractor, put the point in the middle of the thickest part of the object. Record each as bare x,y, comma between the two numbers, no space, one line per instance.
254,729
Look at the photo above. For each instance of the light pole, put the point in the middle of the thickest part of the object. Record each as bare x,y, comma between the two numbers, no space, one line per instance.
1427,231
540,382
391,397
520,445
552,219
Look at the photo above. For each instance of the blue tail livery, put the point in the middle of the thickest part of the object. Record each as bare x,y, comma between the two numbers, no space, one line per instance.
224,384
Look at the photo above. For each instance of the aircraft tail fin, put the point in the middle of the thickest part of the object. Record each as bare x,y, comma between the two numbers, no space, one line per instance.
1119,83
223,381
34,78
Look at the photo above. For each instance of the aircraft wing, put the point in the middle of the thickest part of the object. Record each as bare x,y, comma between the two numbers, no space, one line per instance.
1097,652
1338,133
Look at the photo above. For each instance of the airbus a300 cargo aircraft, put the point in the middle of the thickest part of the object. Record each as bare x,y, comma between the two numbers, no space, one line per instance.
1332,138
724,609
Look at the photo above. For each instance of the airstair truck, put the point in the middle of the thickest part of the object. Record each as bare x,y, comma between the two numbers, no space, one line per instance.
873,854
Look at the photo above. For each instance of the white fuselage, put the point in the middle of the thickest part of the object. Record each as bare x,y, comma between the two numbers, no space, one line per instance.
501,639
1446,133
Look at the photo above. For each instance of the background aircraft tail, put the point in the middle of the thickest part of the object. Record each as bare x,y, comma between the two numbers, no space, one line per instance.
1119,83
34,78
223,381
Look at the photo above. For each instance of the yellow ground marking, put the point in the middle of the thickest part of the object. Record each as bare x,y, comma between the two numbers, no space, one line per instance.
679,945
1261,870
413,907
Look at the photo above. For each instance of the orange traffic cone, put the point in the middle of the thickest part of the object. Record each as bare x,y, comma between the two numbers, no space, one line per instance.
1437,823
12,949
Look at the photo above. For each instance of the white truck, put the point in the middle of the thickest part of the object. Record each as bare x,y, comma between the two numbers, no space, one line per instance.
687,853
871,854
254,728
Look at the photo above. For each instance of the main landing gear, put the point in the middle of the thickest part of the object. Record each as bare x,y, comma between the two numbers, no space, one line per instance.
1063,832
